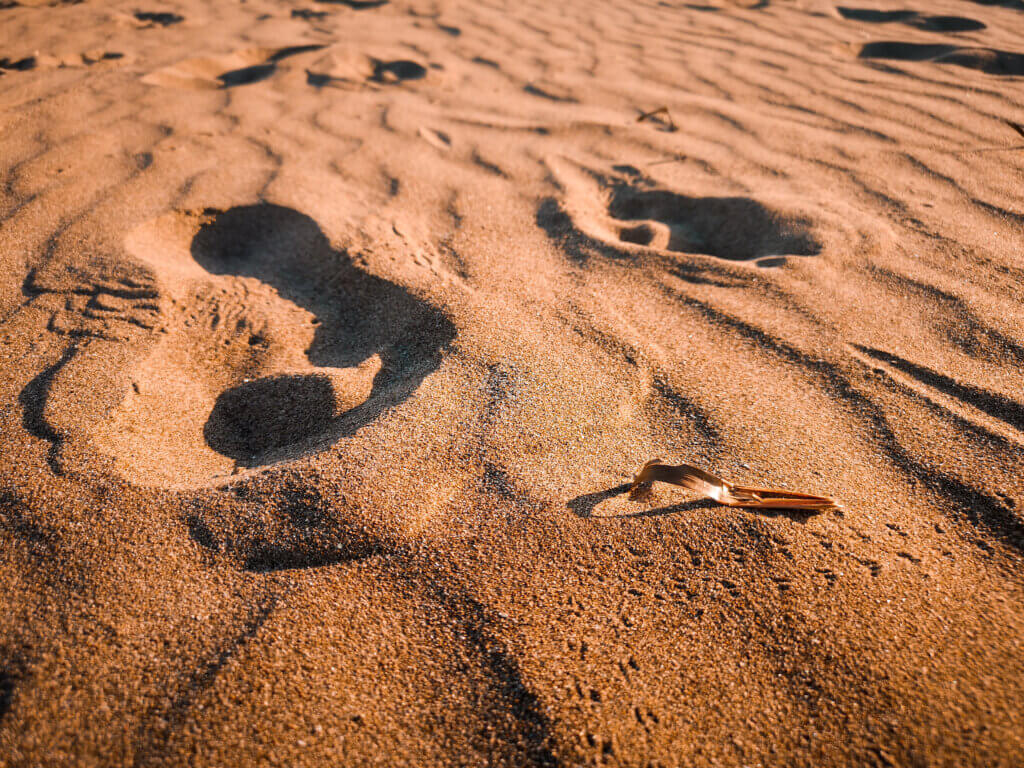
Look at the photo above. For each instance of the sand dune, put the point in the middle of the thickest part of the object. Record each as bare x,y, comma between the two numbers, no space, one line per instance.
332,333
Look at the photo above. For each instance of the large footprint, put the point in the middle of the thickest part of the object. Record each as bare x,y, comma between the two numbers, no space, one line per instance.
274,346
244,67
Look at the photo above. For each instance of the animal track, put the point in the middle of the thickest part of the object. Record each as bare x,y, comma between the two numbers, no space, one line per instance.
279,346
913,19
239,68
988,60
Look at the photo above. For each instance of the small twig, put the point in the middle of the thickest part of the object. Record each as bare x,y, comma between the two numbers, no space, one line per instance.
659,111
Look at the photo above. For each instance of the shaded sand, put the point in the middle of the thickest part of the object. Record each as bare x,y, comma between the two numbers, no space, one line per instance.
332,332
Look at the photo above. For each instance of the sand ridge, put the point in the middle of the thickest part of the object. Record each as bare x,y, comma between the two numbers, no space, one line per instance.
331,334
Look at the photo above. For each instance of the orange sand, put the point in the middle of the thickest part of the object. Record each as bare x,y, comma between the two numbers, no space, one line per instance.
330,333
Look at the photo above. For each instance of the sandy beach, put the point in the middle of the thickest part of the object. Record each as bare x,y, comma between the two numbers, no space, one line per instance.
333,332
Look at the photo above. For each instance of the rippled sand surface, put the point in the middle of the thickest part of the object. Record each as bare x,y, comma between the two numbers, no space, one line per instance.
332,332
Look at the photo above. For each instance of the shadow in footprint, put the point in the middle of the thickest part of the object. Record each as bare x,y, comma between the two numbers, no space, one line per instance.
948,24
163,19
19,65
987,60
258,72
913,19
247,75
398,71
875,17
319,79
359,5
733,228
1015,4
269,413
358,315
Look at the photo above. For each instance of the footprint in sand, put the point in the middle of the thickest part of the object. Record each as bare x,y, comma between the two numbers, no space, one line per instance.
912,18
1015,4
87,59
987,60
398,71
732,228
274,345
17,65
358,5
155,18
308,15
614,214
354,69
243,67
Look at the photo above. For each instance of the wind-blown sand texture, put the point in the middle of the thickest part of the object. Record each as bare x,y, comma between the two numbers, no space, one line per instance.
332,333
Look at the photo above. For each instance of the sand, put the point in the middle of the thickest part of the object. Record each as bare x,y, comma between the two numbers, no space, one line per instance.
332,332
